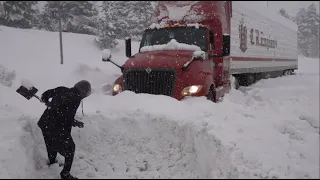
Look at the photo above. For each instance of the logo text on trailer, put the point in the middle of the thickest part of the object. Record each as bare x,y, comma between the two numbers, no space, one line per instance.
243,36
257,41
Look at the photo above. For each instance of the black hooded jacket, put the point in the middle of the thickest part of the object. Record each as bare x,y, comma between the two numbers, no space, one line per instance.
58,118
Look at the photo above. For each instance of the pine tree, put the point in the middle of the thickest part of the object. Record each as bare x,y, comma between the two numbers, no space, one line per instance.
106,38
1,9
20,14
109,25
129,17
115,12
76,16
313,27
303,32
139,18
1,13
284,13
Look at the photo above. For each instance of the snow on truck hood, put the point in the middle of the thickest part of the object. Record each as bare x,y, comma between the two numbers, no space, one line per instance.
163,59
173,54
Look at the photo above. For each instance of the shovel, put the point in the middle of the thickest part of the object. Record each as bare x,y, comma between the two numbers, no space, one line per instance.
28,93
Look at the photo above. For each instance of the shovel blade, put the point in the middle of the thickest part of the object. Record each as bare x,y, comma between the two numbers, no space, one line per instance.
27,93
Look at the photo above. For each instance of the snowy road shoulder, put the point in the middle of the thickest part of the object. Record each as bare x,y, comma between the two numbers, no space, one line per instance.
269,130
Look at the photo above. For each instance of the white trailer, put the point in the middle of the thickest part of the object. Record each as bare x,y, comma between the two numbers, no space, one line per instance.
261,41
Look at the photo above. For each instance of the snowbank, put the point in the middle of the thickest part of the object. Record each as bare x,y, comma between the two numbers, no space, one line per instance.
6,77
268,130
172,45
82,59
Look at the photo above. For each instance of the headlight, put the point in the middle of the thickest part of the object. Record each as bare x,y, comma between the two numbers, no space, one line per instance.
117,88
187,91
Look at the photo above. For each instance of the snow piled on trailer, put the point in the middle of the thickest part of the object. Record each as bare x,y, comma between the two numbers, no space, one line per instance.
268,130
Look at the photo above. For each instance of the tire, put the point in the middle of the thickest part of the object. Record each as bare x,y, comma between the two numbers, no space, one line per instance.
287,72
236,84
247,80
211,94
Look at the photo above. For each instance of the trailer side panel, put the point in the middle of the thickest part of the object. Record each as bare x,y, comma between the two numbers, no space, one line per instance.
261,41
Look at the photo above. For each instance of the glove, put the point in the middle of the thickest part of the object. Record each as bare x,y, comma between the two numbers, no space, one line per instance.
78,124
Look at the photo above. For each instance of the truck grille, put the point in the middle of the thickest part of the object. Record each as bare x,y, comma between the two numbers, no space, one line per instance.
156,81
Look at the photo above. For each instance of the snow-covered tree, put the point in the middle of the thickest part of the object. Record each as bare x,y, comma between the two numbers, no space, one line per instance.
106,37
303,32
20,14
1,9
284,13
76,16
129,17
313,27
140,17
308,31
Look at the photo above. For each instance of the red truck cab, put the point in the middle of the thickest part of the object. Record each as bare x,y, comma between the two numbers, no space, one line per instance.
179,57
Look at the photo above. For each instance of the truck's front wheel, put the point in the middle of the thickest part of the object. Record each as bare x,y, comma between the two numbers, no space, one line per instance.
212,95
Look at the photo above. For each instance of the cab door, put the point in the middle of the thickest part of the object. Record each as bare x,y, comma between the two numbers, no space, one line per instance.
211,54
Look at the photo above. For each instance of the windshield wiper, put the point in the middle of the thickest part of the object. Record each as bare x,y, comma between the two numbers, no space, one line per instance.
196,55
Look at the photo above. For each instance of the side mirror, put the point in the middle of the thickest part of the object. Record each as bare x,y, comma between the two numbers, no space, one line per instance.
226,45
128,47
106,55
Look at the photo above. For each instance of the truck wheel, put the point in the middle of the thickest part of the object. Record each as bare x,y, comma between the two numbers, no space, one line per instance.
287,72
211,95
248,79
236,83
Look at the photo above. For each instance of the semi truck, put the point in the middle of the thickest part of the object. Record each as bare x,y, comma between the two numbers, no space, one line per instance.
192,48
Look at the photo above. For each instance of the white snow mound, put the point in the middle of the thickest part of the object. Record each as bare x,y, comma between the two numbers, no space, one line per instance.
106,54
172,45
27,84
6,77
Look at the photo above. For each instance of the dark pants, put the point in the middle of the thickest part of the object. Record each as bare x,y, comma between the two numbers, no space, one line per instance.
62,144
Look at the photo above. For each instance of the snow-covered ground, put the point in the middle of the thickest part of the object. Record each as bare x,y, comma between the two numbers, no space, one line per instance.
268,130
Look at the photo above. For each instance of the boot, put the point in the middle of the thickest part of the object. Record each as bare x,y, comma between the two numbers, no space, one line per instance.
49,163
67,176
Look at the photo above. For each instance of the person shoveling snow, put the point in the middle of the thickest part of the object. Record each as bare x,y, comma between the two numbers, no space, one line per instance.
57,120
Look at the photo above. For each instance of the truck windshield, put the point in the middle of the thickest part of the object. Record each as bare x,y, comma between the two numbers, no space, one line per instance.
186,35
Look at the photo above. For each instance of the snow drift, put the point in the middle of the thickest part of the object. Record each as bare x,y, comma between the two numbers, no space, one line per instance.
6,77
268,130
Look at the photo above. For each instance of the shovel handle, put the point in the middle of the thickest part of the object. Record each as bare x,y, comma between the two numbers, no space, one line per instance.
37,97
